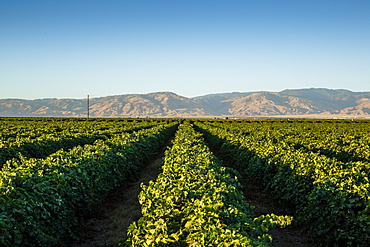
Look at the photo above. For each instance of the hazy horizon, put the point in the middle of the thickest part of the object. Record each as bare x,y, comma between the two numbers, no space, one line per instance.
206,94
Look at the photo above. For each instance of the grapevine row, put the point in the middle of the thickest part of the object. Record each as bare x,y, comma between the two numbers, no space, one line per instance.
196,202
331,197
46,137
42,200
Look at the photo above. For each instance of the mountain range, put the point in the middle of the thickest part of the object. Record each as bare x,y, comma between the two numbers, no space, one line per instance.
312,102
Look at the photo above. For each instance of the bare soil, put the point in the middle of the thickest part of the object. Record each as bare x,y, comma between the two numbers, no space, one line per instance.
291,236
118,212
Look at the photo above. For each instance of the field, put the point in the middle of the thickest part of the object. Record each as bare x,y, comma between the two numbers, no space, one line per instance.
55,172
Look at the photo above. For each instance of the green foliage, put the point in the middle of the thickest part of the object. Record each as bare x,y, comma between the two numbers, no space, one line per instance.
195,202
318,168
55,171
42,200
38,138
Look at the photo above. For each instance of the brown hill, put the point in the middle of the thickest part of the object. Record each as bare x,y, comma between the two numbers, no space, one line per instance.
164,104
301,102
267,104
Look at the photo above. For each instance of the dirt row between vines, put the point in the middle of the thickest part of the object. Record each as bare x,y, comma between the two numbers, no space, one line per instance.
291,236
121,208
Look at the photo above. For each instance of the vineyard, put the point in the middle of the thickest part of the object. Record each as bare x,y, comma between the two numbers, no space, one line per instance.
55,171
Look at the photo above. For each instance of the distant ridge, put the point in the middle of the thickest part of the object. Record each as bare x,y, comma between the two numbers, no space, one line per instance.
312,102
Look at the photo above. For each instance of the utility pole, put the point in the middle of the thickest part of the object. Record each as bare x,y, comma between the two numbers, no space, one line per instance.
88,106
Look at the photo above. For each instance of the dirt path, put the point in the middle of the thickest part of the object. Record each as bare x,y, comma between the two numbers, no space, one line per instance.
291,236
116,214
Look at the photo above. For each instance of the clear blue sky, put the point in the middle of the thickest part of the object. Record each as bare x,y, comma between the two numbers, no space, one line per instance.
71,48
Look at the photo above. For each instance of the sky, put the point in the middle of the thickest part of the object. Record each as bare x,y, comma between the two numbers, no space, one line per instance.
75,48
